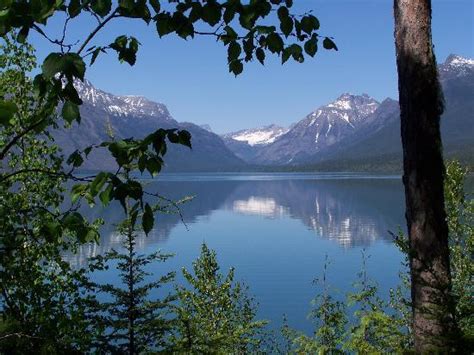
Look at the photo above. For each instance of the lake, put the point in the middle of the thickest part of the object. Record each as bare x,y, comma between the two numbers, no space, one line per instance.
276,230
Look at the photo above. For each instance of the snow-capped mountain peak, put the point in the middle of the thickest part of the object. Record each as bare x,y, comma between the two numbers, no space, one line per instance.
456,66
258,136
343,102
125,105
457,61
347,107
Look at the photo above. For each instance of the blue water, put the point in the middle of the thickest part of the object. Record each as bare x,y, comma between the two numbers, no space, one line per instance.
276,230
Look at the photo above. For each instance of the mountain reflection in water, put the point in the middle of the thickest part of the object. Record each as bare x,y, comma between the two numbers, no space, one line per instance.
348,210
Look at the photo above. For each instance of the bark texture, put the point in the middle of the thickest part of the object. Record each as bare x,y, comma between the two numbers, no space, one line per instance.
421,106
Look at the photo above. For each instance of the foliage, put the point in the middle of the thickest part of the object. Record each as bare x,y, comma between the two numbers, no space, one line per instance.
214,315
130,321
372,329
376,326
375,329
41,306
330,319
460,217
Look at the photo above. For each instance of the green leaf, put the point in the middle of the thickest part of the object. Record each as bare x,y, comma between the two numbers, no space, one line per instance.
211,13
283,12
148,220
230,32
142,163
163,24
286,22
329,44
233,51
95,54
77,191
74,8
294,51
229,13
286,26
52,64
127,4
75,65
7,111
70,64
98,182
70,112
126,48
260,54
265,30
23,34
155,4
309,24
153,165
101,7
75,159
182,25
51,231
275,43
106,195
236,67
184,138
285,55
311,46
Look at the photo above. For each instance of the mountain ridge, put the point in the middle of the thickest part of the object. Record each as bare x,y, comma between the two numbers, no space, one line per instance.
349,133
372,131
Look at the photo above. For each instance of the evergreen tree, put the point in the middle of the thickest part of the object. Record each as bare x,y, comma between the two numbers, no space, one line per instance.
131,321
214,314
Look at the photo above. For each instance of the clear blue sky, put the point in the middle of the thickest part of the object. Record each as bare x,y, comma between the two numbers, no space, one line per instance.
192,79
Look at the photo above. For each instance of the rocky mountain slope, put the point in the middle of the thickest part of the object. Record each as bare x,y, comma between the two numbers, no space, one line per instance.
379,147
358,133
135,116
354,132
320,129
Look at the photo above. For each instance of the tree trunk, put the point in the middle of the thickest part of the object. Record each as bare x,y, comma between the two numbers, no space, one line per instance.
421,105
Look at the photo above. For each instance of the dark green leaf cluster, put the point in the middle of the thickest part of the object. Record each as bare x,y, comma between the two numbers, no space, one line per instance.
237,24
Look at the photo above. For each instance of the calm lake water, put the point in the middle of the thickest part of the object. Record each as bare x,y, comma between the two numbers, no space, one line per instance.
276,230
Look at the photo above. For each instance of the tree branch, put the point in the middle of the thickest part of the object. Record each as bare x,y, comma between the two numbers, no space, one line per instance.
97,29
15,139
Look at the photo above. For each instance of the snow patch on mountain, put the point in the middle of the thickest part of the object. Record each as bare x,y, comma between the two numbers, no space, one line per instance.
456,66
347,107
258,136
125,105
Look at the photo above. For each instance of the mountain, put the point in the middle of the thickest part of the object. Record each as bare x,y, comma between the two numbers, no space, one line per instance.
135,116
378,145
355,132
320,129
257,136
247,143
206,127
